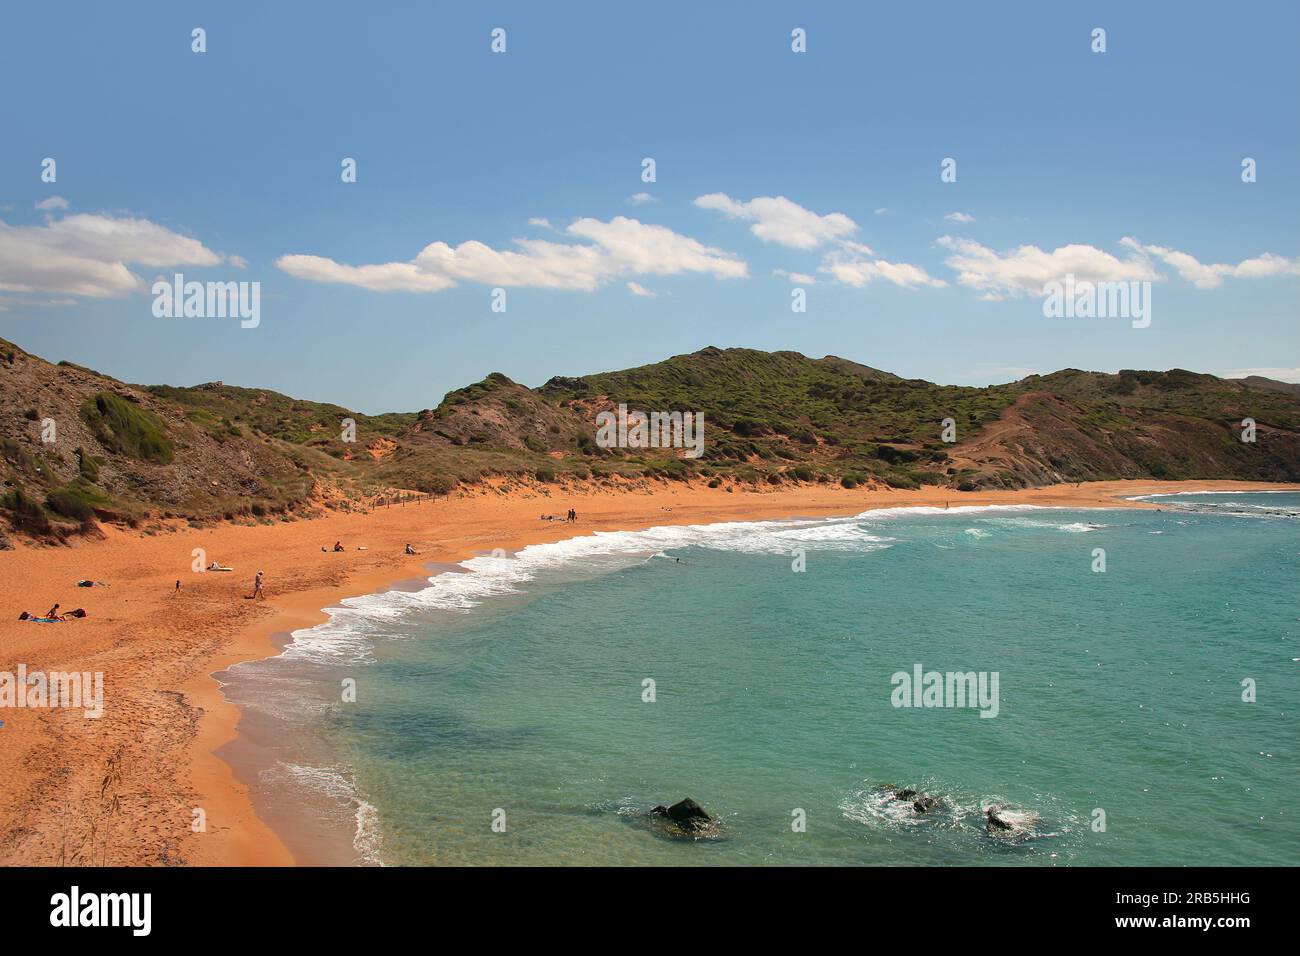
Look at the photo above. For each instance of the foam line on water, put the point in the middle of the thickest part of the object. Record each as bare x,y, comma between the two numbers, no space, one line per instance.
354,624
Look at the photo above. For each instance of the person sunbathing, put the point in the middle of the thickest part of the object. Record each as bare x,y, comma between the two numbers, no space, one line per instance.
53,614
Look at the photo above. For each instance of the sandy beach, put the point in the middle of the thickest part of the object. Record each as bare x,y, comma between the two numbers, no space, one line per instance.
127,788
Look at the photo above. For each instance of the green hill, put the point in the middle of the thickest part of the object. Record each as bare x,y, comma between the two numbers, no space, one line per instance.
131,454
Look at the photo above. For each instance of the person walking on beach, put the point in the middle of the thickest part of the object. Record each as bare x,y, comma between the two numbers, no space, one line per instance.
257,587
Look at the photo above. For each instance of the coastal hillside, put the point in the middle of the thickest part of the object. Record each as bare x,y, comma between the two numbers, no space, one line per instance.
78,448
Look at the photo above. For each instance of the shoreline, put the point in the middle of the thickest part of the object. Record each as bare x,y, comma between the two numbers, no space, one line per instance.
167,720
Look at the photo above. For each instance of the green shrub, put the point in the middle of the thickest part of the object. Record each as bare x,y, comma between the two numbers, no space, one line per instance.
87,465
532,443
124,427
76,500
25,514
545,474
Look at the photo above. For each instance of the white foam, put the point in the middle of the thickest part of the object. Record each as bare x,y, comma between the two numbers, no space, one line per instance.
959,510
1182,494
331,783
349,635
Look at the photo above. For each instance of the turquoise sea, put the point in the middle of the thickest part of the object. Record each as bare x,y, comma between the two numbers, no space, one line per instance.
513,689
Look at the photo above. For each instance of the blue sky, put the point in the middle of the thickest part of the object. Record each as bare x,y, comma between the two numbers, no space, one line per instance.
225,165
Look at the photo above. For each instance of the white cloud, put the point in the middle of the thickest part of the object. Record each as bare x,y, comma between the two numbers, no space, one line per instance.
777,219
961,217
619,247
637,288
800,278
239,262
54,202
541,222
640,199
1211,275
882,211
389,277
88,254
1025,269
859,271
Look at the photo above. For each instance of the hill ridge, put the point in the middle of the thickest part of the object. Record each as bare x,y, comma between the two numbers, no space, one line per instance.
130,454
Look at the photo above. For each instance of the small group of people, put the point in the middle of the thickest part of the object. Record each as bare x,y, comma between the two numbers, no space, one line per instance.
569,516
52,615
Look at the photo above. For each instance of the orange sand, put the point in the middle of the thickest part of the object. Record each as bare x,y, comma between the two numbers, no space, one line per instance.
123,789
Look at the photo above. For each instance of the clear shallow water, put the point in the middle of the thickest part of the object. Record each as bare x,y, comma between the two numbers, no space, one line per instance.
519,686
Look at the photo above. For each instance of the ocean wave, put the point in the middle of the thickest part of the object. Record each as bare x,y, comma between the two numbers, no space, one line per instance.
349,636
878,806
1227,505
958,510
340,791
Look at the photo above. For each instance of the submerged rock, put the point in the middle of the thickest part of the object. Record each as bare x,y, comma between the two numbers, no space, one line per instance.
993,822
686,815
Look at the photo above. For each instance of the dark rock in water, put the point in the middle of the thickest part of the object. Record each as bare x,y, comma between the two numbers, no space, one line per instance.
923,804
687,814
905,794
994,822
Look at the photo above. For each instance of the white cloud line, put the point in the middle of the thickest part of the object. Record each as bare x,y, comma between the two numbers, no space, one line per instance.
619,247
1211,276
780,220
88,255
961,217
783,221
1026,269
